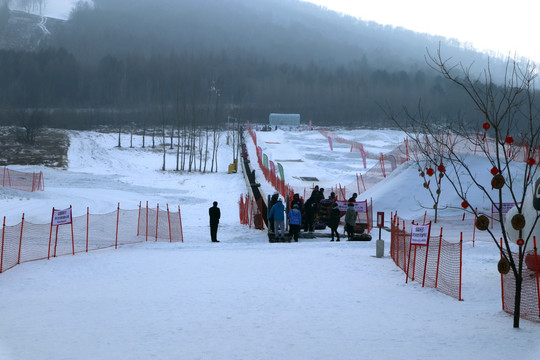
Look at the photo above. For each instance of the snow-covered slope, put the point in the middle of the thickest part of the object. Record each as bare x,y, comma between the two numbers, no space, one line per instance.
243,298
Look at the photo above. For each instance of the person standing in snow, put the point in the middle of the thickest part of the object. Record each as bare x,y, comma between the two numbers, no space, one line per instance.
295,220
310,208
332,196
215,215
297,201
277,213
353,197
333,221
273,201
350,220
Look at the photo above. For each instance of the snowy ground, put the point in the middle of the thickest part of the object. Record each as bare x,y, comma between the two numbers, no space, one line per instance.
243,298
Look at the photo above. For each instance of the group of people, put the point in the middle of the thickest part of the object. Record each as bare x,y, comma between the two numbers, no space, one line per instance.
298,209
308,211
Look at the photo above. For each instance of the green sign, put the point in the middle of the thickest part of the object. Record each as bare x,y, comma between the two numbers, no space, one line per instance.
281,174
265,161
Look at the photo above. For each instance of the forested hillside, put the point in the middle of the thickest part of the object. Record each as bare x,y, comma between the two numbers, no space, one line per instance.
168,60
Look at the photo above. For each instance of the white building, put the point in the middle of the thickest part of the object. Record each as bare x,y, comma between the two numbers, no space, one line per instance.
284,119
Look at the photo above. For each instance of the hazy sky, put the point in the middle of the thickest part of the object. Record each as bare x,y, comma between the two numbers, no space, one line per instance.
506,27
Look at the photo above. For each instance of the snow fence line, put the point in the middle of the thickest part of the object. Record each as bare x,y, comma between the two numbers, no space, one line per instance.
250,213
23,181
386,163
25,241
530,287
437,264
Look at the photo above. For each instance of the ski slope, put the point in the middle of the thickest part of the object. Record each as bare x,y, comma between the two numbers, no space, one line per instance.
243,298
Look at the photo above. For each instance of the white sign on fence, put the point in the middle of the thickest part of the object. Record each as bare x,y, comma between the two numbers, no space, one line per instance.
420,234
359,206
61,217
504,206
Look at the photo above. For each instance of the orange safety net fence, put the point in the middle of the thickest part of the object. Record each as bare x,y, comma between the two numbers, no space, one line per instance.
22,181
26,241
160,224
250,213
437,265
530,287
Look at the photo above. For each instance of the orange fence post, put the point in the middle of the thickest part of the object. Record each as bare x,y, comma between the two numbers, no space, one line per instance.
55,241
169,221
404,246
2,251
72,235
117,220
262,217
50,236
460,263
438,260
427,254
157,221
87,225
20,240
474,226
180,217
139,219
502,280
146,221
536,273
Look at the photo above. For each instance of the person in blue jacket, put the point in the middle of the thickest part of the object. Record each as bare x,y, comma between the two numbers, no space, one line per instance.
295,221
278,214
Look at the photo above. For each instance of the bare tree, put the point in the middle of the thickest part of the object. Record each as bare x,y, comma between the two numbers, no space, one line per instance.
32,122
507,111
432,174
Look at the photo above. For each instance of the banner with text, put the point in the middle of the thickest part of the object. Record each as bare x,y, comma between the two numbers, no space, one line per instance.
359,206
61,217
420,234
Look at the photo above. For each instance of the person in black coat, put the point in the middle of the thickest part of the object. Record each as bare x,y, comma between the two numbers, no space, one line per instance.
310,209
333,221
273,201
215,214
297,201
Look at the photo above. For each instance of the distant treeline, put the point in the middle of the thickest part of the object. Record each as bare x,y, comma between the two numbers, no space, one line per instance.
248,88
145,62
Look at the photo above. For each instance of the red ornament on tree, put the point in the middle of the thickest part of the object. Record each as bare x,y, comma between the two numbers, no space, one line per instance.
430,171
464,204
509,139
531,161
486,126
441,168
494,171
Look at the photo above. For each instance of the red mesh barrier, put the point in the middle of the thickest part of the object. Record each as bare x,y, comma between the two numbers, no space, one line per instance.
22,181
28,242
250,213
437,265
162,224
530,301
